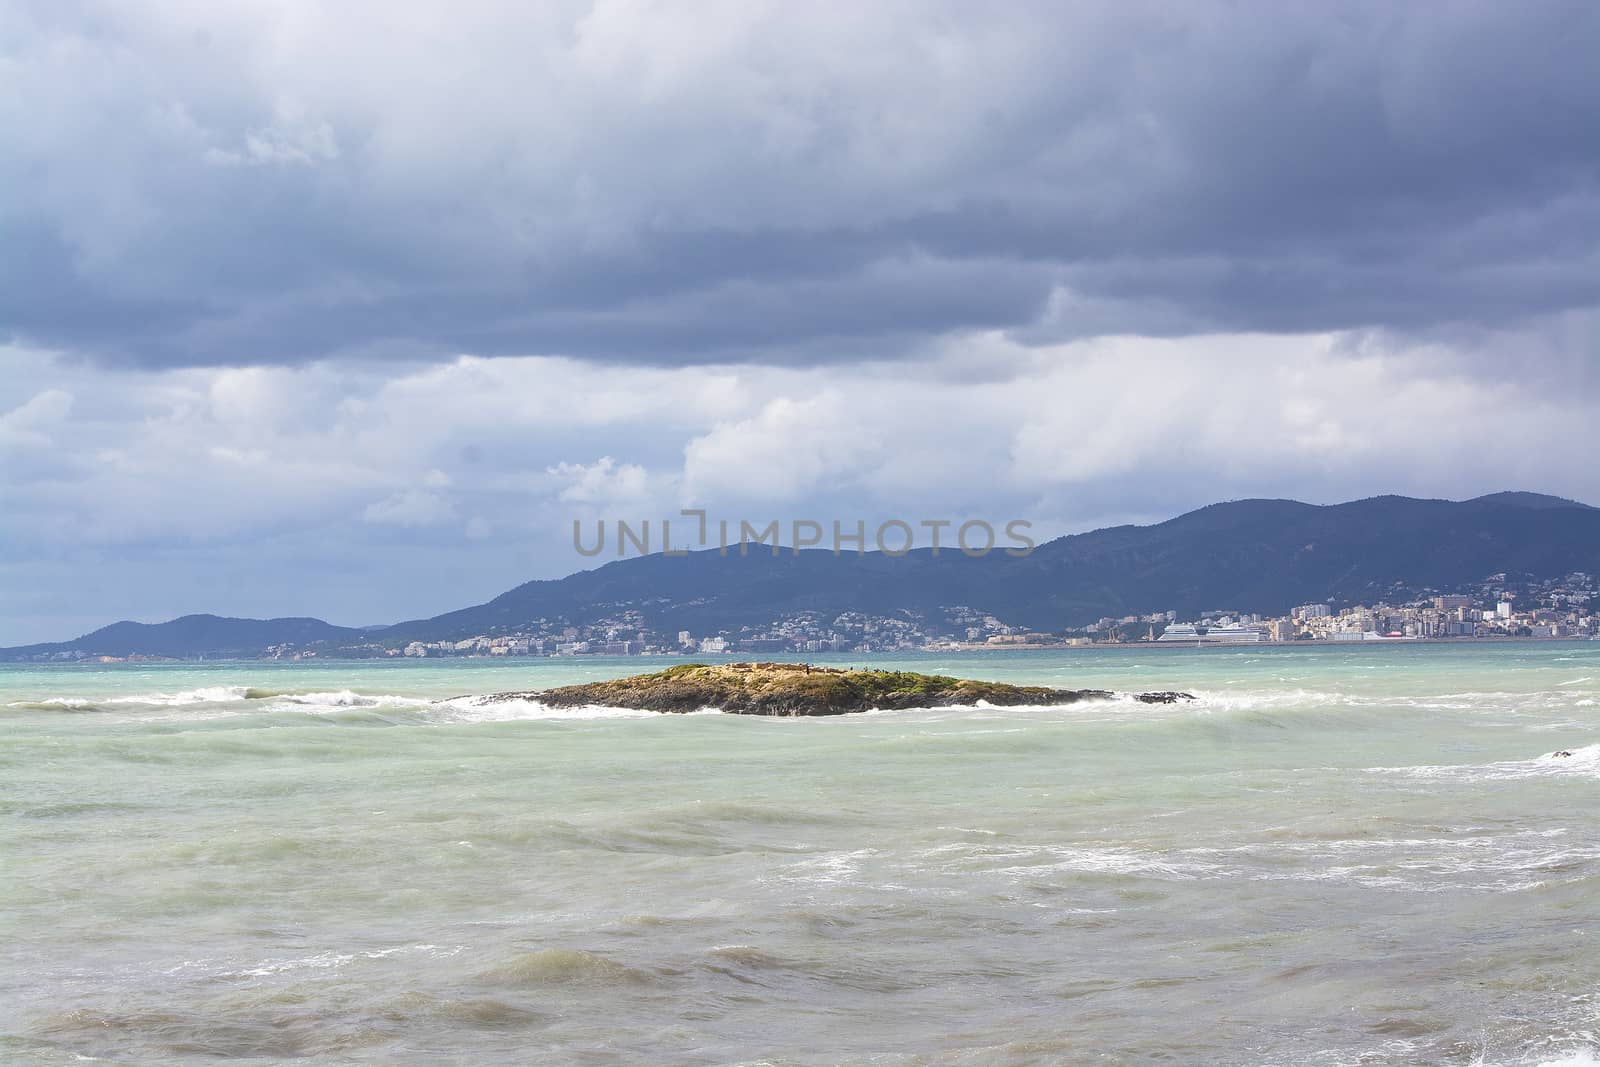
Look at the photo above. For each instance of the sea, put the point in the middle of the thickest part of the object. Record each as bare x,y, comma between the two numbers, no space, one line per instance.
1367,854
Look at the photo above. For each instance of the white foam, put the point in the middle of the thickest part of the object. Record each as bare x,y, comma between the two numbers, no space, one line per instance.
1276,699
1583,761
70,703
1112,698
348,698
984,710
1111,860
1580,1056
827,869
1488,863
225,701
211,694
1304,699
487,709
1583,1057
320,961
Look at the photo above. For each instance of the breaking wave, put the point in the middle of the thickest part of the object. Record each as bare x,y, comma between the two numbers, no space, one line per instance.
1583,762
212,702
211,694
492,709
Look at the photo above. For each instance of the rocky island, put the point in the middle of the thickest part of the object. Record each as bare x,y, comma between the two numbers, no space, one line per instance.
800,689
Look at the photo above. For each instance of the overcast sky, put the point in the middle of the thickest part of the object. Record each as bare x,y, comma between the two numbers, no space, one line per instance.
351,309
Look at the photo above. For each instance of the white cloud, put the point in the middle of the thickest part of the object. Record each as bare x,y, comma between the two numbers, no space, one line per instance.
604,481
786,450
30,424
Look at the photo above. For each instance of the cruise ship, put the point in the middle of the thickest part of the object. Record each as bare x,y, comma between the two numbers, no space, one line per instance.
1216,635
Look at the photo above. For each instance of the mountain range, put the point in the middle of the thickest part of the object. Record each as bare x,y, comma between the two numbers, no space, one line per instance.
1245,555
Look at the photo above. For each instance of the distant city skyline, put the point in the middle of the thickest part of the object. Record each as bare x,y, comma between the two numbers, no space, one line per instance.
300,317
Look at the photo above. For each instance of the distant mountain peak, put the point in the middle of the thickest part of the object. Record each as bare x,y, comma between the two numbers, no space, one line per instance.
1536,501
190,635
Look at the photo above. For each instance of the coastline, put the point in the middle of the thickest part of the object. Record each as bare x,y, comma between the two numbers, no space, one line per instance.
1380,642
731,657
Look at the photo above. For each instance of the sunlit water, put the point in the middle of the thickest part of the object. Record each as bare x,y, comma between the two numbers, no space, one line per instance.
1337,856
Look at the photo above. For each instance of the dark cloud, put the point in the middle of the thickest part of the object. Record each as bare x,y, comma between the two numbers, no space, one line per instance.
207,190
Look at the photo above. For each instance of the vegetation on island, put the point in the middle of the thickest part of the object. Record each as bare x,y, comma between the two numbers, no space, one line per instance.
801,689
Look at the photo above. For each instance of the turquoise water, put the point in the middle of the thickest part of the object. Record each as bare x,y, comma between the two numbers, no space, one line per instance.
1336,856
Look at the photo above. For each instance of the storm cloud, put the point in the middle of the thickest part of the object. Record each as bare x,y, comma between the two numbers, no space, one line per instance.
280,183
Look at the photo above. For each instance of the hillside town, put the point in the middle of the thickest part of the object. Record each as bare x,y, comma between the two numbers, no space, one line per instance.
1500,608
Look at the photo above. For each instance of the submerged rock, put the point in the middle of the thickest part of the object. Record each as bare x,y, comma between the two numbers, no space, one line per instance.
799,689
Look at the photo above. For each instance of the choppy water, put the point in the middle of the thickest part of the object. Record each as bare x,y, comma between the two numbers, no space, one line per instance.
1338,856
